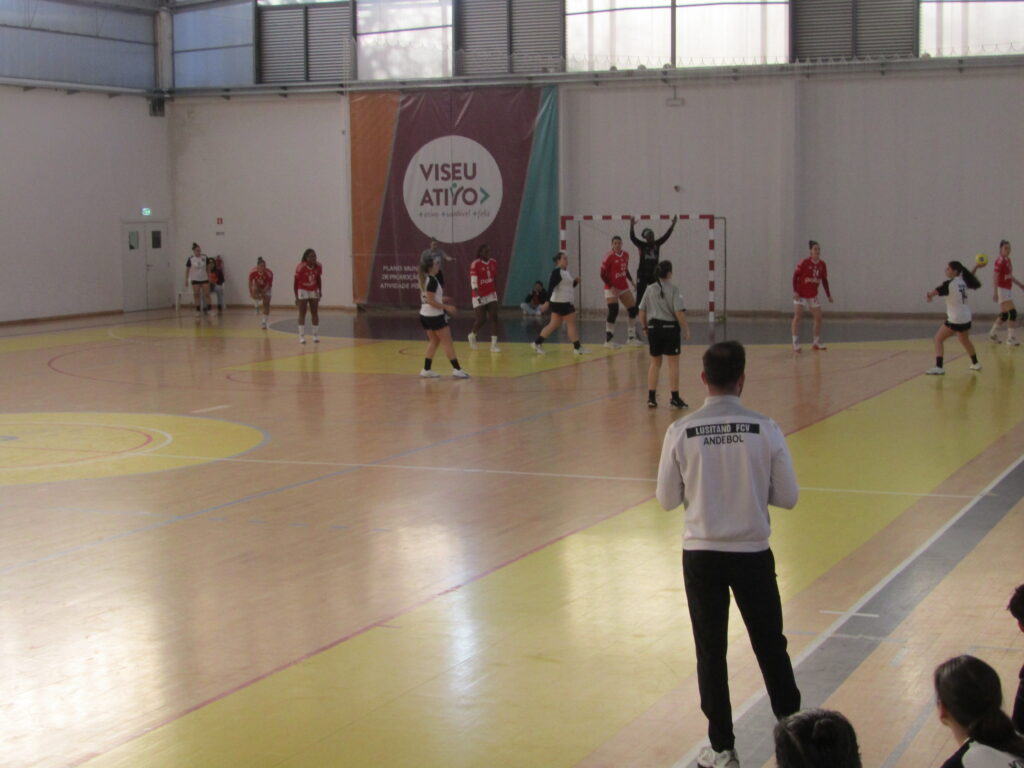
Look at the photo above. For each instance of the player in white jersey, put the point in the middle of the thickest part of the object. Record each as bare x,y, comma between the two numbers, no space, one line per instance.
969,697
562,288
197,276
958,313
434,314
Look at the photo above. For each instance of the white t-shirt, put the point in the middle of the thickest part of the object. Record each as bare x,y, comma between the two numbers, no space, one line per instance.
957,309
726,463
562,292
436,287
980,756
197,269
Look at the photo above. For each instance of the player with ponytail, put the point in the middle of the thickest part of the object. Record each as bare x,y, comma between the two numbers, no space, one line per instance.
970,701
958,313
663,314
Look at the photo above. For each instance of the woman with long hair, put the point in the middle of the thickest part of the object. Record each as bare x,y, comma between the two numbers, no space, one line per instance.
663,314
958,313
434,314
561,288
970,703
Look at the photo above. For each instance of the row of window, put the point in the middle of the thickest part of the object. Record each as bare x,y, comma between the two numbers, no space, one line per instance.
339,40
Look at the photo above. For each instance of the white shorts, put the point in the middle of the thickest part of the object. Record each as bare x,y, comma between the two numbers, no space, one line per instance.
807,303
304,294
614,293
1004,294
480,301
265,293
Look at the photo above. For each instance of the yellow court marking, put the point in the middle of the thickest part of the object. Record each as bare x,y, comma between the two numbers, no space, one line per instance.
46,447
188,330
545,659
406,358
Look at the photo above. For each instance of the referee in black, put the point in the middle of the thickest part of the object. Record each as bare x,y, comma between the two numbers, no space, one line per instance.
726,464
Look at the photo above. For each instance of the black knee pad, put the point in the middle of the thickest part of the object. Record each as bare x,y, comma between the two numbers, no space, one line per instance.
1013,314
1004,316
632,312
613,312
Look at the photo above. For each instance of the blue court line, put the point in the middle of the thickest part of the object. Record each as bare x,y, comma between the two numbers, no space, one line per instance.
291,486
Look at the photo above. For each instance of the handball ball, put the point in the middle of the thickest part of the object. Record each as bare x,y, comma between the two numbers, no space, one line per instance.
981,259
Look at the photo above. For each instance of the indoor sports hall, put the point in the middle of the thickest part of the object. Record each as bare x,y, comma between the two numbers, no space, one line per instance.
222,547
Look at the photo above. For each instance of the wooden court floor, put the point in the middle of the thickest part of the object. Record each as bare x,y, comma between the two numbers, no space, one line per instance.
219,548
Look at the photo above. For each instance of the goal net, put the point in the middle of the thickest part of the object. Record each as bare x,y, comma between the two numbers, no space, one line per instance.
696,250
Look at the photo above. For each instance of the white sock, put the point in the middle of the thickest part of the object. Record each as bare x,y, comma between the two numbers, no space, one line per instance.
796,340
494,341
302,330
316,330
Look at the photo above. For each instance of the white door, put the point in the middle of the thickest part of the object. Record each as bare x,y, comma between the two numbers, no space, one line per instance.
146,266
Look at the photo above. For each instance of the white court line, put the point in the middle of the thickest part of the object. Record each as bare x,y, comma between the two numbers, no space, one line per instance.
850,613
211,408
832,630
561,476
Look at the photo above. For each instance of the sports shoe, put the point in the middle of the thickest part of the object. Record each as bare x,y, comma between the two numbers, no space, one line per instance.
538,348
652,403
316,339
495,348
458,373
992,337
610,345
635,342
302,339
263,324
708,758
678,402
1012,343
796,348
818,346
936,371
472,340
580,351
975,367
431,374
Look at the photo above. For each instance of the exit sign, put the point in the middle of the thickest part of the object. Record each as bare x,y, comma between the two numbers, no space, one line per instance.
147,212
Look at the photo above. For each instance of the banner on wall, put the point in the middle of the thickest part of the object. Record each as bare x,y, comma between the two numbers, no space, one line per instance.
463,167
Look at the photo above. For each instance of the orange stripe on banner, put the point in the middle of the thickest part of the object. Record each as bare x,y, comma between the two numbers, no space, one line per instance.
374,118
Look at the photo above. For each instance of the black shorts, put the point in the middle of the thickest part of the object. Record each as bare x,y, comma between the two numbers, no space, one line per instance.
959,327
434,322
562,308
200,282
663,338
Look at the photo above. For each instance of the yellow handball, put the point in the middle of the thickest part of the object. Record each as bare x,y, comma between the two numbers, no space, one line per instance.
981,259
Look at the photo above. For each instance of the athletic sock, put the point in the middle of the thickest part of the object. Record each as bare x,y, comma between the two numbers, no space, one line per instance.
938,362
539,340
316,329
675,394
631,333
974,359
796,340
302,330
576,345
651,394
455,364
494,341
609,334
427,362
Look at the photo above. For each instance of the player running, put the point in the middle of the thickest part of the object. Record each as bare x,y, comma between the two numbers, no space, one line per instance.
561,288
958,313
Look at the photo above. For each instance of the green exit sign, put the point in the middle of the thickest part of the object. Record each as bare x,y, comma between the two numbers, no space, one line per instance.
147,212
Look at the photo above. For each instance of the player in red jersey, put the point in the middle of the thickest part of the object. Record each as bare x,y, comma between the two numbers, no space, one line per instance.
308,290
261,283
1002,294
617,282
483,278
809,274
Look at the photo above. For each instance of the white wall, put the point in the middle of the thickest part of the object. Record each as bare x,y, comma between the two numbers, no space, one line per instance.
894,175
276,171
71,168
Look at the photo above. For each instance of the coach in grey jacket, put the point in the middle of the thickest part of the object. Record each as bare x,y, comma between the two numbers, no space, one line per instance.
726,464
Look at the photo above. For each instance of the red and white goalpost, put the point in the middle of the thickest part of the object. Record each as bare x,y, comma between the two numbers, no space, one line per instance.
692,247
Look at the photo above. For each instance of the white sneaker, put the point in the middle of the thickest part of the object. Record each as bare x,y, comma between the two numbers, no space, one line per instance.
1012,343
302,339
975,367
472,340
538,348
936,371
495,348
635,342
431,374
263,324
610,345
580,351
316,339
708,758
992,337
458,373
818,345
